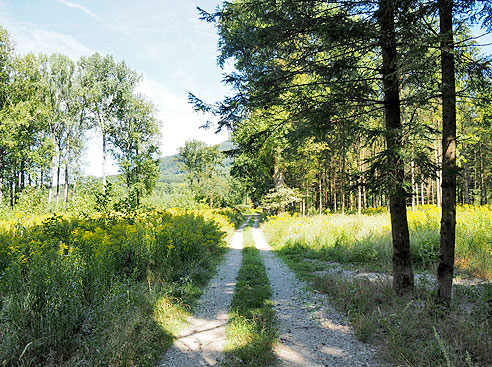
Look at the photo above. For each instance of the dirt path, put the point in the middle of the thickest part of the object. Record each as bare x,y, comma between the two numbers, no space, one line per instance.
311,332
202,342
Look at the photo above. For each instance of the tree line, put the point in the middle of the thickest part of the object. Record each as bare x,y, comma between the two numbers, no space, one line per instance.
48,104
360,103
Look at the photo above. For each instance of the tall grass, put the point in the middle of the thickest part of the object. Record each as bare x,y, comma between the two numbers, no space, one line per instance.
101,290
366,240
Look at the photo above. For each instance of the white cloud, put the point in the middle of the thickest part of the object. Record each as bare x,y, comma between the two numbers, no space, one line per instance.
32,38
80,7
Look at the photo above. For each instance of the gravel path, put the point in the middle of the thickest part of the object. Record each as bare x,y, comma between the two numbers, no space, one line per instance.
201,342
311,332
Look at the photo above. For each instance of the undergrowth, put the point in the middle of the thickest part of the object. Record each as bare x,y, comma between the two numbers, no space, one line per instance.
366,240
102,290
250,331
417,330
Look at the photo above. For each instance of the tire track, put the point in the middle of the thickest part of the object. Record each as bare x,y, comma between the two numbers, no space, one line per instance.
307,337
201,343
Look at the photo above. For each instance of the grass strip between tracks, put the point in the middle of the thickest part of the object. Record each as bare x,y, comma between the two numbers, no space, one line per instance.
251,329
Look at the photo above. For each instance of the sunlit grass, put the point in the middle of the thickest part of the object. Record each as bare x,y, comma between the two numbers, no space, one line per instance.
366,240
103,290
250,331
416,330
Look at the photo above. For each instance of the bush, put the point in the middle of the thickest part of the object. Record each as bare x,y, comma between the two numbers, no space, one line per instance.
66,284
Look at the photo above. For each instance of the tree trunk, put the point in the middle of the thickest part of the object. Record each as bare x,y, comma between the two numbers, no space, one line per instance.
422,190
437,157
412,172
402,262
466,170
104,159
1,176
448,222
58,171
52,177
22,175
483,187
359,179
67,162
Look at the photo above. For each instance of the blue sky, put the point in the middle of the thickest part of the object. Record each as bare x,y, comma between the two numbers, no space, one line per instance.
162,39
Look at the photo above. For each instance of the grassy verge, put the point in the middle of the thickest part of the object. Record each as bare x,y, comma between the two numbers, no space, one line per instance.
413,331
251,332
102,290
416,330
365,241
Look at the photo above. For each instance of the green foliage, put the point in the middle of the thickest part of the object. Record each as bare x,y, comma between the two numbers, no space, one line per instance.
208,176
70,287
280,198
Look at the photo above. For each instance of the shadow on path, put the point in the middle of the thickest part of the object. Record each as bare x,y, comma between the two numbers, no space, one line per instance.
201,342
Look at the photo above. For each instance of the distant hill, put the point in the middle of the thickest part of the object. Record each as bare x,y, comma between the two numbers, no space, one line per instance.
170,173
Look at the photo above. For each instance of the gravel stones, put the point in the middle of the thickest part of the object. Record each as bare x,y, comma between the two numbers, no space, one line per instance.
201,343
311,332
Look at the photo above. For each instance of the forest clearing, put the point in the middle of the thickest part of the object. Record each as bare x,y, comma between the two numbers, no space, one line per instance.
246,183
118,290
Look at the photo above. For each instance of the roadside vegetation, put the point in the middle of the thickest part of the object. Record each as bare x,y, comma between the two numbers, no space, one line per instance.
250,331
365,240
106,289
416,329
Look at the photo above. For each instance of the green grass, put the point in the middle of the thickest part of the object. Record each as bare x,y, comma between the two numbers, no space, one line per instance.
102,291
365,241
250,331
416,330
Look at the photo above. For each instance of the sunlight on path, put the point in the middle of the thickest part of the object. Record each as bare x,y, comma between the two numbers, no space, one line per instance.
307,337
202,342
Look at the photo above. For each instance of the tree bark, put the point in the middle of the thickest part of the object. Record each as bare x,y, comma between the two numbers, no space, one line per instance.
483,187
448,221
67,162
437,157
402,262
52,175
104,158
1,175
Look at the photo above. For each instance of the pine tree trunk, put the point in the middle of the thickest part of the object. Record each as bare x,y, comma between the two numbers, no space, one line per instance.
483,187
448,222
1,176
412,172
402,262
22,175
437,157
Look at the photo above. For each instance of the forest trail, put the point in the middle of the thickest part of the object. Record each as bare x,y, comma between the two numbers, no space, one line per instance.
311,332
201,343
